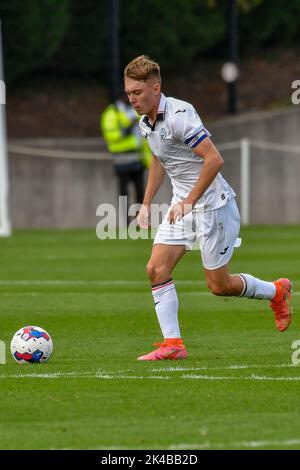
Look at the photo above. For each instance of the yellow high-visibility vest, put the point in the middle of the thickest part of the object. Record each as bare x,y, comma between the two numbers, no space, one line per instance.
146,154
113,124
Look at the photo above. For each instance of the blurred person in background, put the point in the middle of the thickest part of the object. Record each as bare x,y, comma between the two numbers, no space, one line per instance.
130,152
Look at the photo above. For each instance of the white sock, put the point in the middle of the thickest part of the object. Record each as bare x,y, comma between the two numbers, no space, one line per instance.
166,307
255,288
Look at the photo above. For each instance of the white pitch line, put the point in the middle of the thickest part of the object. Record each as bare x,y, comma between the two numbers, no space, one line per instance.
84,376
27,294
287,442
231,445
207,292
204,445
106,376
232,367
135,377
97,281
124,373
250,377
38,294
104,282
13,294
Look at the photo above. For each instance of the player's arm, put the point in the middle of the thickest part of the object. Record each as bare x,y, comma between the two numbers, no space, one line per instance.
213,162
155,178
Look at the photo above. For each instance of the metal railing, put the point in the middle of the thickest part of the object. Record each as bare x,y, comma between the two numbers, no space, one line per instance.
243,144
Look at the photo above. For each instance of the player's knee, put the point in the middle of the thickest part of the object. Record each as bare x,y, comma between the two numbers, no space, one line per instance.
156,273
150,268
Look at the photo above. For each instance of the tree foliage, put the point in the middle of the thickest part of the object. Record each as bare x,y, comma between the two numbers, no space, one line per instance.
72,36
174,33
271,22
84,48
32,33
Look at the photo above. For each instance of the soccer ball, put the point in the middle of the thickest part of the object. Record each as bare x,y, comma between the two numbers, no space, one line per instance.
31,344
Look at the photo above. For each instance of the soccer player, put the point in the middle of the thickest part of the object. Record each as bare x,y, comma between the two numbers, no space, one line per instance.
203,208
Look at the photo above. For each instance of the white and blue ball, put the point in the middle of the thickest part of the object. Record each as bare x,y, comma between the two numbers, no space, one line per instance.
31,344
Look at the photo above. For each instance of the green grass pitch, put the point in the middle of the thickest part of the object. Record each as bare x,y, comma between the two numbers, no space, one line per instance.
238,388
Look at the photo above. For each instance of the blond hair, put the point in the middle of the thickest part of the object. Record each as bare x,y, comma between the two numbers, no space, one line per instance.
142,68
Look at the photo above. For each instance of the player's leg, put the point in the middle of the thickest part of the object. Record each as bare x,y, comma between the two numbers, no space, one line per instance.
159,269
221,282
162,261
218,242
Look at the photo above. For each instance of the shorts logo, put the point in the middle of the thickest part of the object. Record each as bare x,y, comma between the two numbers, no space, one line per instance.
223,252
162,133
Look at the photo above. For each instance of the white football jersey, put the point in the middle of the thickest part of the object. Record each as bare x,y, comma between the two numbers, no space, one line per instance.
176,131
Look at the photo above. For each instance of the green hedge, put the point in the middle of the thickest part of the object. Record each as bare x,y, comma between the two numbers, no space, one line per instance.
71,36
32,33
270,22
174,33
84,49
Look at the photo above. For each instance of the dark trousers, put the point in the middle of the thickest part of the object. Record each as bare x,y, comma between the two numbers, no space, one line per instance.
131,173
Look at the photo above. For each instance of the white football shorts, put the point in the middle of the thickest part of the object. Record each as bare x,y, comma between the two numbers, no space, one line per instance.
215,233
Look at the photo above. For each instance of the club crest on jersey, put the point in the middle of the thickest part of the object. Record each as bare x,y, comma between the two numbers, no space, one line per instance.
162,133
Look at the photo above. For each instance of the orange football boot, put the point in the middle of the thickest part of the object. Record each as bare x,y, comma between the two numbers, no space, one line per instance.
281,304
170,349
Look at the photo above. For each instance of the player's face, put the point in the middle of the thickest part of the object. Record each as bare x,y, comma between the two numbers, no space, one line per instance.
142,96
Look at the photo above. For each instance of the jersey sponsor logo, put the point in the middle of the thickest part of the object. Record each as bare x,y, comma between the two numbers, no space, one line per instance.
162,133
180,111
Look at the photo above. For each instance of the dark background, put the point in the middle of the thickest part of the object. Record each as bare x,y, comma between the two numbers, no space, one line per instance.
57,57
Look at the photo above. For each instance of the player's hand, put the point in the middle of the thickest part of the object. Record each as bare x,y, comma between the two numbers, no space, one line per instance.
178,211
143,217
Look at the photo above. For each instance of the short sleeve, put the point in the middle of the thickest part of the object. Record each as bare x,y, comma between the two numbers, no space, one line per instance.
188,127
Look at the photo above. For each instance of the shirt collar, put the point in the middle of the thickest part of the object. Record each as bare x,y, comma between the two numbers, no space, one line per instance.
161,108
160,113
